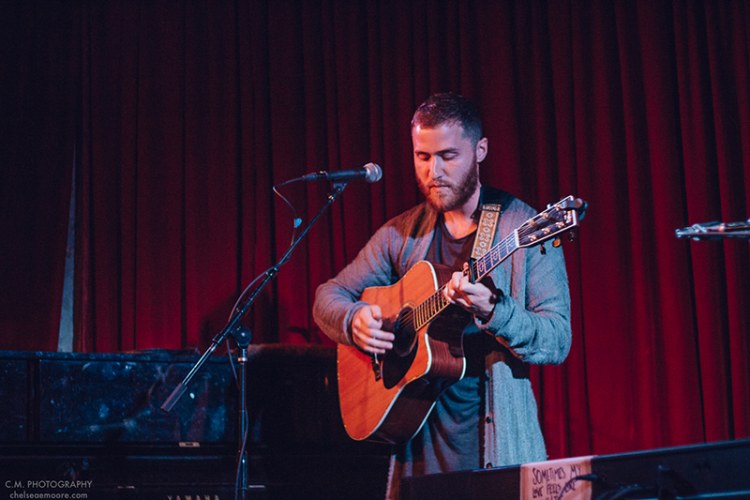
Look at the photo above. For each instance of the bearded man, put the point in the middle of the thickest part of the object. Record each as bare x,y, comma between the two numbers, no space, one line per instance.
519,315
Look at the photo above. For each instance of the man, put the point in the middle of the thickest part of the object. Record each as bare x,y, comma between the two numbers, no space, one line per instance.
520,316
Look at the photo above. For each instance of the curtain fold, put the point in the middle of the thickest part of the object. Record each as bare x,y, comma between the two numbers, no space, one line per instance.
186,114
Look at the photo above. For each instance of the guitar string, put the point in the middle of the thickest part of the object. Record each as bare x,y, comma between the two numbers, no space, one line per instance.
436,302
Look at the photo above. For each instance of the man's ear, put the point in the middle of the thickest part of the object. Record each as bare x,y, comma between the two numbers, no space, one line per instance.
481,149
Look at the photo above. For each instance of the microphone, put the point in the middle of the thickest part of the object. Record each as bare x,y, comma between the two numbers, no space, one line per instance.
369,173
716,230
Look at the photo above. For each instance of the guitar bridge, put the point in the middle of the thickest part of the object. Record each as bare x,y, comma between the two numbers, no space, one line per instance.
376,369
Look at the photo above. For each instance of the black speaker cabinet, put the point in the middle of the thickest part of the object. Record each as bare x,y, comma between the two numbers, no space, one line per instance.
91,424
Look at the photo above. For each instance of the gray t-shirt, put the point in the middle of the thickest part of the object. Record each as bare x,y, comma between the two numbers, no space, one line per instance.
450,438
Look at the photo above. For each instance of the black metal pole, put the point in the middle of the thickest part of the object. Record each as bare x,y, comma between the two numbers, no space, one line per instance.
242,337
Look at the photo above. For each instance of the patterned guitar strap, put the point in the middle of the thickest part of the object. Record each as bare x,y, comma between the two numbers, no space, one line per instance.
482,244
486,229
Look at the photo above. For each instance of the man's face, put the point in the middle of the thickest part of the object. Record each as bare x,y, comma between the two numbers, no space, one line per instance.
446,164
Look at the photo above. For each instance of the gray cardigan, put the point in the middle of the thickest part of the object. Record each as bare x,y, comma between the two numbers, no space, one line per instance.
531,321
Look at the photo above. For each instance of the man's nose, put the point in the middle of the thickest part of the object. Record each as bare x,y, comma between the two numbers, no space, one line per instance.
436,167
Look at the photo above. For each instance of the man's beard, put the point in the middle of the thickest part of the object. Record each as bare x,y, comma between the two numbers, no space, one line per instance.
458,194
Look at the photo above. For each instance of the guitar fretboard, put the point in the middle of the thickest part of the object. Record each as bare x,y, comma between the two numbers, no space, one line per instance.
558,218
494,256
436,303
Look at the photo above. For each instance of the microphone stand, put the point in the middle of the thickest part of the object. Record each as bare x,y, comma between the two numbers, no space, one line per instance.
242,336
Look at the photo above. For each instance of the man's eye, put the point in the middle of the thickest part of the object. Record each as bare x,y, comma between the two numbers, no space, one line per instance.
449,156
423,156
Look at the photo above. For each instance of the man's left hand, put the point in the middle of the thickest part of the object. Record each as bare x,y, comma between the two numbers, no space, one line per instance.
476,298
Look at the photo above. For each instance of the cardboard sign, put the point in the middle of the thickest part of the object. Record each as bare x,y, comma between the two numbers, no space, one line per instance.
555,480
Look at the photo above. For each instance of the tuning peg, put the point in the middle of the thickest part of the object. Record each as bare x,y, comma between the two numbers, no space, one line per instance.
572,236
542,249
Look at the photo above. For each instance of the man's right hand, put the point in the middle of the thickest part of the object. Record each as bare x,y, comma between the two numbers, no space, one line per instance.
366,331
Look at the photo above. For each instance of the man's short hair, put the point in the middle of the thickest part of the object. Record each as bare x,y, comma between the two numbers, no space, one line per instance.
449,108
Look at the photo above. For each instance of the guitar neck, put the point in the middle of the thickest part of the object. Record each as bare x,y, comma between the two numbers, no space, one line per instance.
489,261
556,219
436,303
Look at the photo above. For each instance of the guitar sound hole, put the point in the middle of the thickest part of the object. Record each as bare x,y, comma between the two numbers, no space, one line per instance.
405,334
397,361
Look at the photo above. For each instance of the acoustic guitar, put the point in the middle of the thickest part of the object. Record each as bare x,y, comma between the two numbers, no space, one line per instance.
388,398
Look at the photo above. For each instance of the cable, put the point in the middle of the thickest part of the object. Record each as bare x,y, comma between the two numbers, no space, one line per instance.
296,221
238,473
623,490
569,484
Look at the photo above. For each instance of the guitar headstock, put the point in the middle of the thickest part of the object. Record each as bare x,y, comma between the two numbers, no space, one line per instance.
559,218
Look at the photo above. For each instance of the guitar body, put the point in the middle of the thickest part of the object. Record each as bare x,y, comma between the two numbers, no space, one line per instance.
390,400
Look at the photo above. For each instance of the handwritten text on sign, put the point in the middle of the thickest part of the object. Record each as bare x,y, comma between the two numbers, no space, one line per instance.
553,480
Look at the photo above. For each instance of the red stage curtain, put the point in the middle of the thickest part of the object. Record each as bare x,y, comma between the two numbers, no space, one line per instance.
181,116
